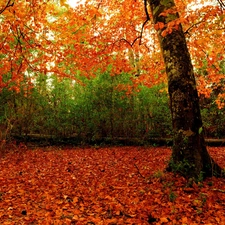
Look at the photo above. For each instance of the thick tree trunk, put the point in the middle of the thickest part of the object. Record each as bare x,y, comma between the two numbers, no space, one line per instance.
189,155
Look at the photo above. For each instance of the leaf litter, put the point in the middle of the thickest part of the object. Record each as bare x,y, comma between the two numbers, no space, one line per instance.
109,185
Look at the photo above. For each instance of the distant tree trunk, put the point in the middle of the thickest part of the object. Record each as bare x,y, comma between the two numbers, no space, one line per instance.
189,155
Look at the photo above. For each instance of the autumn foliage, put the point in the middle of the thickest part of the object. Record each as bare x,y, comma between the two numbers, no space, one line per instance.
47,46
46,37
110,185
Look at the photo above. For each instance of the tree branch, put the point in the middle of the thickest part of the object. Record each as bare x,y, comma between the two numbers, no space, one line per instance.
142,28
139,171
221,3
9,4
193,25
147,19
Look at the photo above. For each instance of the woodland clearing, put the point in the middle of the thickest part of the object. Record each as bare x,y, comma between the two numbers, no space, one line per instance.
108,185
112,69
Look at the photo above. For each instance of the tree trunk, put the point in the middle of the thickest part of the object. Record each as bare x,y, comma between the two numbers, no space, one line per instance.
189,155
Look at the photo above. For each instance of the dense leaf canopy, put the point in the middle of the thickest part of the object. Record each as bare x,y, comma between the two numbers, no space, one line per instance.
50,37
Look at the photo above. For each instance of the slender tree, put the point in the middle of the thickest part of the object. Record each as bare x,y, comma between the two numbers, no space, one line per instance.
189,154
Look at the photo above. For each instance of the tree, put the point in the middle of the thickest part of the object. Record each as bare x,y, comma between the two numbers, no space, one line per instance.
189,153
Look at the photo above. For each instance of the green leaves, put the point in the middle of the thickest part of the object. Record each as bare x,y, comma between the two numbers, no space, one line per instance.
165,2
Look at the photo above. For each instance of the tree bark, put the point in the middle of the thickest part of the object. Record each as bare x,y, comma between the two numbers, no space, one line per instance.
189,154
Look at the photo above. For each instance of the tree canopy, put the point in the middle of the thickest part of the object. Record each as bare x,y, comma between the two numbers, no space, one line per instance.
45,37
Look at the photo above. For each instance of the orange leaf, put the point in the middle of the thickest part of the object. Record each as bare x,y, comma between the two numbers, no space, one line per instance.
163,219
164,33
184,220
159,26
75,199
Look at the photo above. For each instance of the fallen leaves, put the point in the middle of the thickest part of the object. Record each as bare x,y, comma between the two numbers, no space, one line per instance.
115,185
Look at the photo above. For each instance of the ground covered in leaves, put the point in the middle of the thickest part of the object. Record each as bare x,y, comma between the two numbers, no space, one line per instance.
110,185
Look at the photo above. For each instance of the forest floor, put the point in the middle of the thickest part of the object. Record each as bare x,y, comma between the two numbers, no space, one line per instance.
109,186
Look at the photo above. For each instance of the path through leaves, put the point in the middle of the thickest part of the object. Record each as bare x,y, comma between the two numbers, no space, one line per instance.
114,185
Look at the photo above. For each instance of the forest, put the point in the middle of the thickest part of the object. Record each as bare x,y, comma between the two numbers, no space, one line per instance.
112,112
99,78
